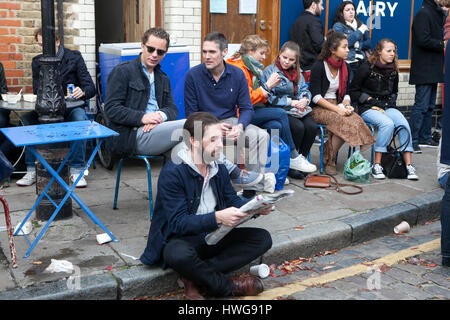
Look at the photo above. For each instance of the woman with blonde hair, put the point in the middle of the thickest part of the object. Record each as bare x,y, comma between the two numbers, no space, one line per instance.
292,95
249,59
375,88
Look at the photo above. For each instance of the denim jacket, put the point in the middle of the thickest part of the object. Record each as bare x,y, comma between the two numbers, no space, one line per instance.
283,94
353,37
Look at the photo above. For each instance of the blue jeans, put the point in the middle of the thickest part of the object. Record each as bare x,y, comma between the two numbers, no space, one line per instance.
443,180
445,222
4,118
76,160
420,119
275,118
386,123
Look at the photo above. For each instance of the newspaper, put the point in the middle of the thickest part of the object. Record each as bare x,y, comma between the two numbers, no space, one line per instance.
252,207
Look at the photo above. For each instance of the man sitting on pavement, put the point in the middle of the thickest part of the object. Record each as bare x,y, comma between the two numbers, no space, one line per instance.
220,89
194,197
72,70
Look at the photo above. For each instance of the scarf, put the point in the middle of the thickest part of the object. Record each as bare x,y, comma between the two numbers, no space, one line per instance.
385,68
291,74
353,25
255,67
343,76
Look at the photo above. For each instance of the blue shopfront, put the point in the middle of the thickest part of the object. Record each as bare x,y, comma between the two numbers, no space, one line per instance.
387,19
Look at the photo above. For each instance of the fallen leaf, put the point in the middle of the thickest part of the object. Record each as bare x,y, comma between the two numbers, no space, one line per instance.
329,267
384,268
298,228
37,262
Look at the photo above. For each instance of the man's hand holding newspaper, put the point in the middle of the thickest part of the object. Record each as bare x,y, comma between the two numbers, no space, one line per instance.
232,217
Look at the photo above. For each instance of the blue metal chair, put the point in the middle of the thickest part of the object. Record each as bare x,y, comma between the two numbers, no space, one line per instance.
350,149
322,137
149,177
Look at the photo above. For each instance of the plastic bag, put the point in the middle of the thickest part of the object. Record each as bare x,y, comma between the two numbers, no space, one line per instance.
278,160
357,168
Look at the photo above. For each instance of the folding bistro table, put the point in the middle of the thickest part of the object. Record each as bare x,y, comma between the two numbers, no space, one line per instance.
76,131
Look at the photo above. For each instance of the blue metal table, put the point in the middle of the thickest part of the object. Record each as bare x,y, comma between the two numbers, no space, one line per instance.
31,136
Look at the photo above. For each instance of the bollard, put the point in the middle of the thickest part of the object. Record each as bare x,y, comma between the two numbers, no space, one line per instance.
10,232
54,154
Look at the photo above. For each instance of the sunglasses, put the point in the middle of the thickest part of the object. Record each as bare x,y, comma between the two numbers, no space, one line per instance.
151,49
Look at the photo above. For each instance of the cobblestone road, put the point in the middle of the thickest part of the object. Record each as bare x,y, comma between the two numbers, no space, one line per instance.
396,267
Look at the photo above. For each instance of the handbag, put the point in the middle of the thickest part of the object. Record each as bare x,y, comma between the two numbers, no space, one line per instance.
278,160
6,168
329,182
299,114
392,161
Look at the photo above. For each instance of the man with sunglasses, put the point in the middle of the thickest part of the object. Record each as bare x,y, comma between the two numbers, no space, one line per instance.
139,103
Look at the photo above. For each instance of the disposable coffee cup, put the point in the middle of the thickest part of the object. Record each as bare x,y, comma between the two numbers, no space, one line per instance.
403,227
261,270
103,238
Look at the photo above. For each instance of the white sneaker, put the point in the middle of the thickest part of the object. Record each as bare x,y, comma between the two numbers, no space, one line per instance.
286,182
81,184
412,173
27,180
300,163
377,172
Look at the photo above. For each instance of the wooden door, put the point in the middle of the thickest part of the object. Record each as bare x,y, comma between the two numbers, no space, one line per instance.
139,16
235,26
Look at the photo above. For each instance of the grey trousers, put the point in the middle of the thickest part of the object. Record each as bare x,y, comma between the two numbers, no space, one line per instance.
160,139
258,143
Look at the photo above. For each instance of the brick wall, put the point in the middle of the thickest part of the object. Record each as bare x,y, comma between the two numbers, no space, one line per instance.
19,19
405,98
183,21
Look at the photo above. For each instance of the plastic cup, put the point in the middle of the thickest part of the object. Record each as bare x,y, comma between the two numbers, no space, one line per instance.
261,270
103,238
403,227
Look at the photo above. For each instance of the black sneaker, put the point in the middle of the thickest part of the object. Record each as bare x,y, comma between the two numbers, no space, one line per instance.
377,172
430,143
417,148
295,174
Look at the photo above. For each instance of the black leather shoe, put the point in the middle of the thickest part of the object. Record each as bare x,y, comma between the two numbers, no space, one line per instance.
248,286
295,174
446,261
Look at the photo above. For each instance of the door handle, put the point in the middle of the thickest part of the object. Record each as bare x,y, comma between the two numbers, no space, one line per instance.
262,25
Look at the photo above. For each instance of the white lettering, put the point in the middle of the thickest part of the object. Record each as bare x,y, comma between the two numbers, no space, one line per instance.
379,8
392,8
361,8
195,310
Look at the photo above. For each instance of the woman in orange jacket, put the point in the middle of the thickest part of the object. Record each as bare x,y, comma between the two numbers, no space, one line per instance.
249,59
